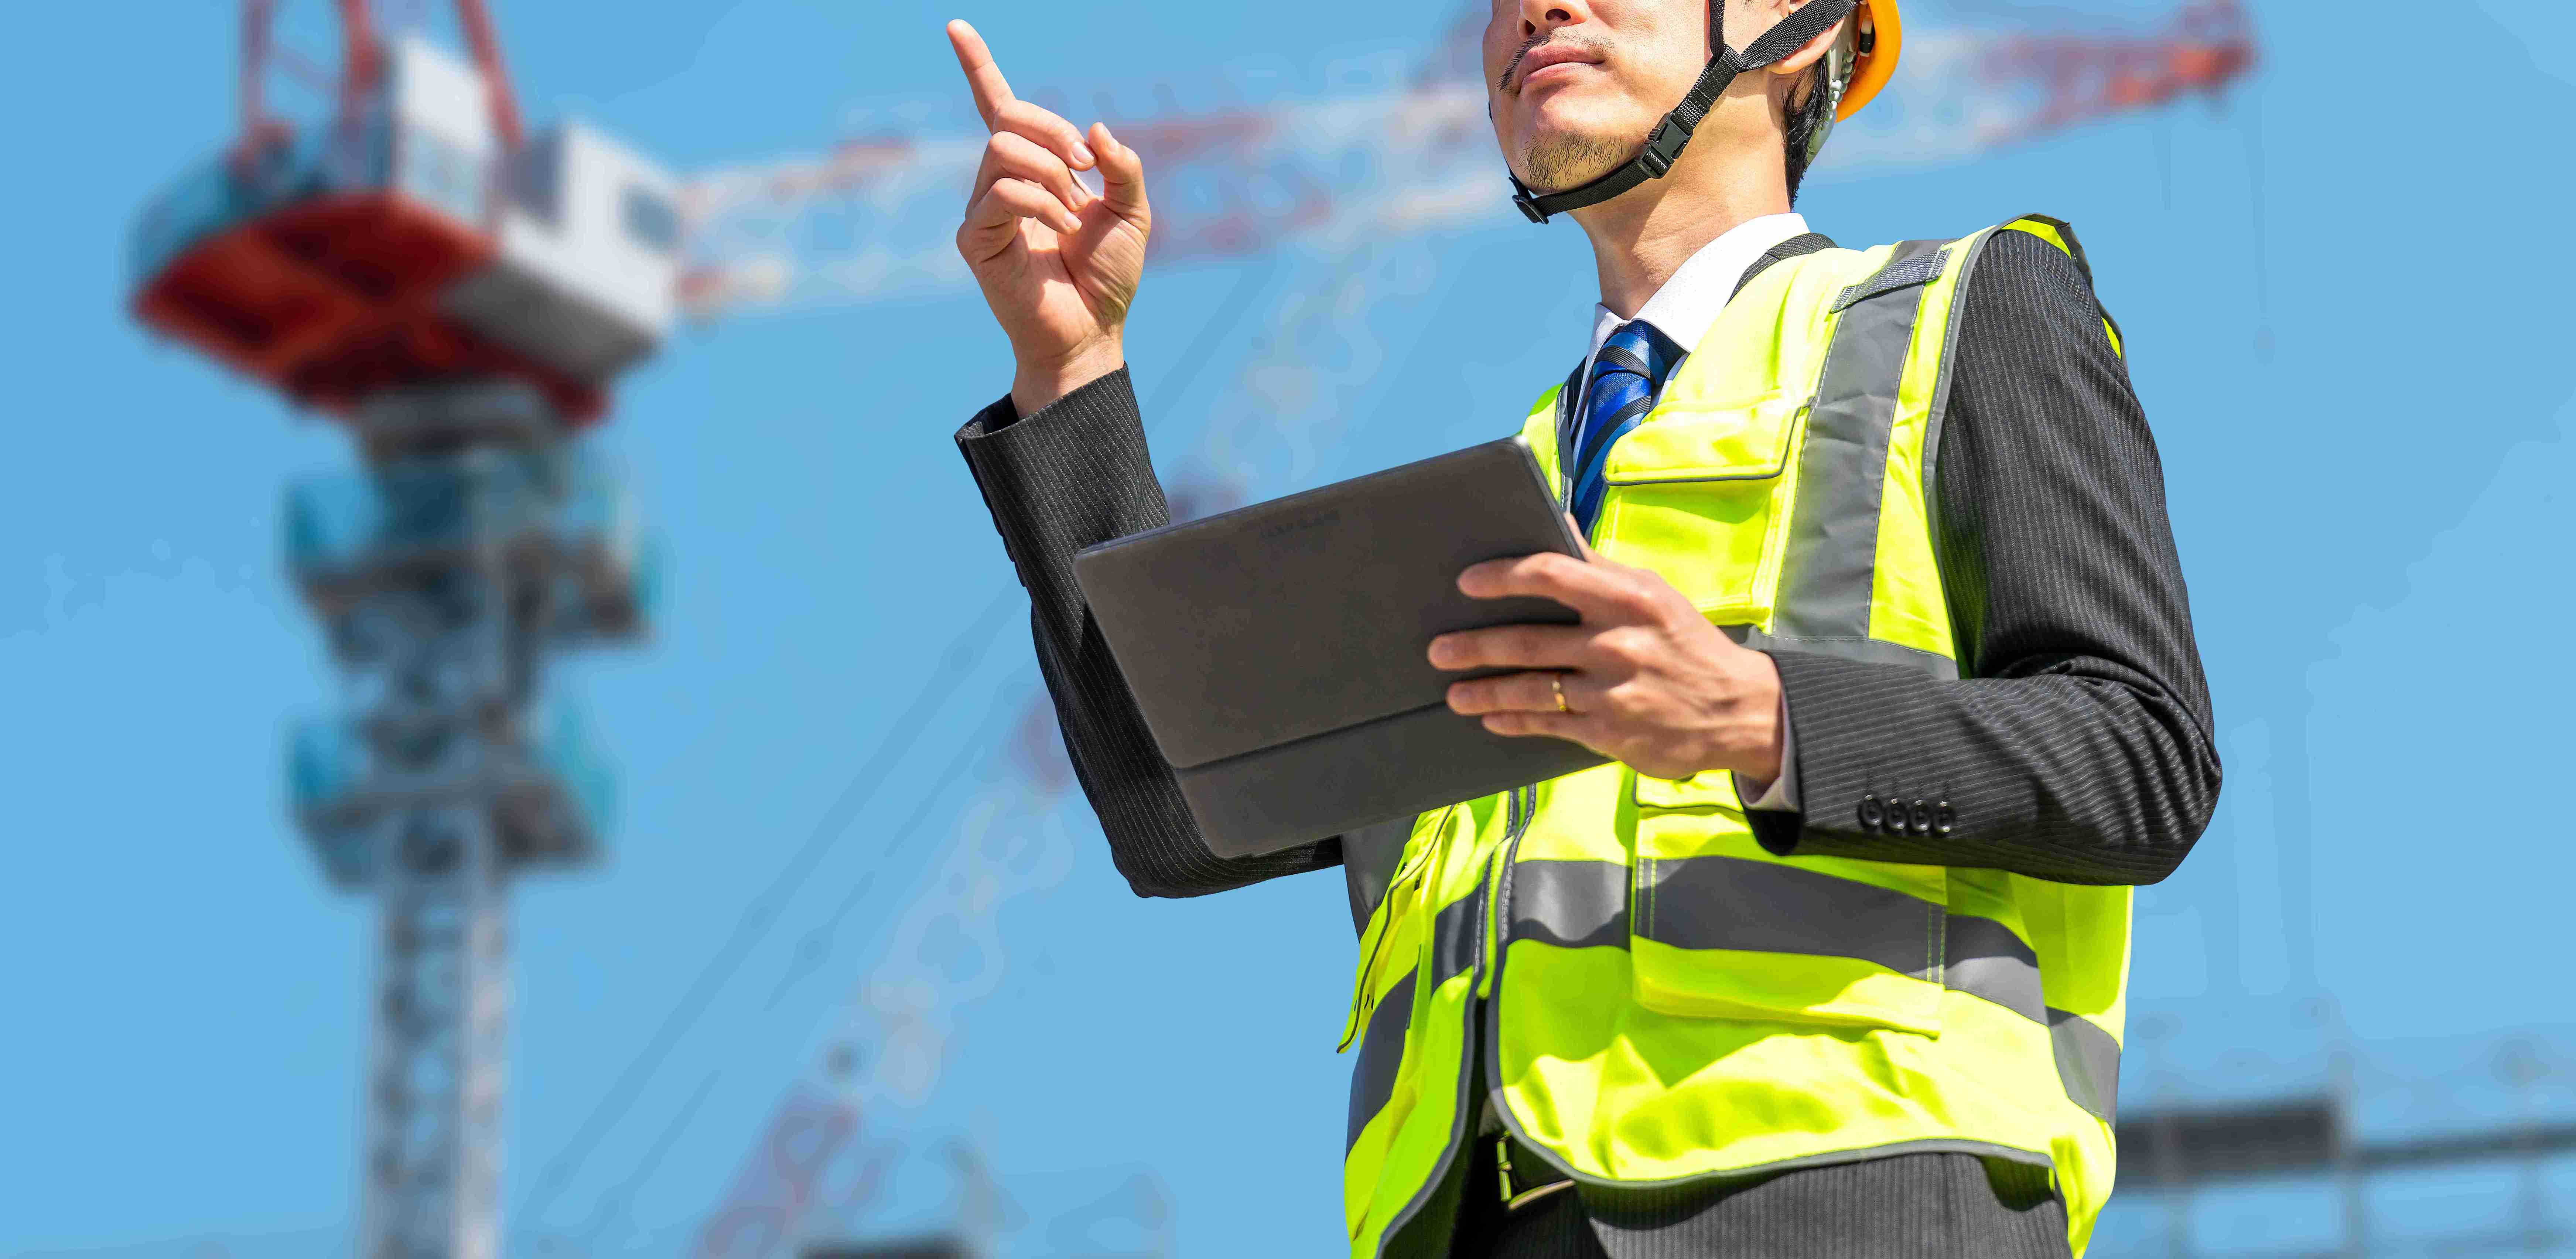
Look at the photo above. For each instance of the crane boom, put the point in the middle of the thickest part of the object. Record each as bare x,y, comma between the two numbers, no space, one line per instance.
869,220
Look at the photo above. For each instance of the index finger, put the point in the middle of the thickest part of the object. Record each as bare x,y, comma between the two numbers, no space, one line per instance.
982,76
1587,588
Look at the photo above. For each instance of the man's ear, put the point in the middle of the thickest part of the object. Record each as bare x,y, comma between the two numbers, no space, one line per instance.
1808,53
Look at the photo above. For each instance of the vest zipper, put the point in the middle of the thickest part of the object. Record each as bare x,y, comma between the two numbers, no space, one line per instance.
1520,808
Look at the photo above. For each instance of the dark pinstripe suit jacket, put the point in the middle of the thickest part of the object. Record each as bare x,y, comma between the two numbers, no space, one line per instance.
2075,747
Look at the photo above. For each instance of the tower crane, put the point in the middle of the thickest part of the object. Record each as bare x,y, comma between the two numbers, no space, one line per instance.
460,292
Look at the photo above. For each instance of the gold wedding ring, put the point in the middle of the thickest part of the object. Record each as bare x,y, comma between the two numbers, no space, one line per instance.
1556,682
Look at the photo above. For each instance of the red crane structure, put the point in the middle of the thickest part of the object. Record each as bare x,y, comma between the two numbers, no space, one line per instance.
416,233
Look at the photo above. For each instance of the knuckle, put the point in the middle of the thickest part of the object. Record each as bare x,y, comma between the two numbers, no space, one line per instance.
1037,118
1619,646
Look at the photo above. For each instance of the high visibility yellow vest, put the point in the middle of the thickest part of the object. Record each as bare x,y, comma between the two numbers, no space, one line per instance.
1657,998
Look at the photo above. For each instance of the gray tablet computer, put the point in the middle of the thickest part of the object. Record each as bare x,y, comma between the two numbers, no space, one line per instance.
1277,651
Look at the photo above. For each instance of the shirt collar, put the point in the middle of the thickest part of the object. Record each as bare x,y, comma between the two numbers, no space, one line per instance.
1687,306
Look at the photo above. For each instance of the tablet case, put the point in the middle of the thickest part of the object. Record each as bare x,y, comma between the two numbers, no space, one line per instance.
1277,651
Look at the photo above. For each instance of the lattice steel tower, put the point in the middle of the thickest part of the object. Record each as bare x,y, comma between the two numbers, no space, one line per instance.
462,295
474,544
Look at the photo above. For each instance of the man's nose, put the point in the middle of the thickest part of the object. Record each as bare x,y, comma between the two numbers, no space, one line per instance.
1541,16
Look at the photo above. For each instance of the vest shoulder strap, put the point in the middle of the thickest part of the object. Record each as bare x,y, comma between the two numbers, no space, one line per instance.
1829,569
1785,250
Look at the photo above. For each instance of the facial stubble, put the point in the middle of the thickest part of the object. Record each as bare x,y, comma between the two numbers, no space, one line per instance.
1553,162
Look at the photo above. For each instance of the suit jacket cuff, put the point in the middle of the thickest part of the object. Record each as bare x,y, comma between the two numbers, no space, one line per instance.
1782,792
1063,479
1841,714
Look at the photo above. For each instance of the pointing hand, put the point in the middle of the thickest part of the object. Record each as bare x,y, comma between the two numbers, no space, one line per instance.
1058,265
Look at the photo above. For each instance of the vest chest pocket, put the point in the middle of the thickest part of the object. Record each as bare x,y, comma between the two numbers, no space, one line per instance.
1720,928
1699,497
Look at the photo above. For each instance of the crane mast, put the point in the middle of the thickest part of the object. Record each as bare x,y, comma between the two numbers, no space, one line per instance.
460,293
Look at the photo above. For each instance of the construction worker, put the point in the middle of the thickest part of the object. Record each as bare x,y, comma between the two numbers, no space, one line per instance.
1882,625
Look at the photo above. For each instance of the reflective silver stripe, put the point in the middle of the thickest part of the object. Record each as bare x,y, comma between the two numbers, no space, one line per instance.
1390,1023
1824,594
1381,1052
1987,960
1726,903
1570,904
1984,958
1767,907
1871,650
2088,1063
1453,937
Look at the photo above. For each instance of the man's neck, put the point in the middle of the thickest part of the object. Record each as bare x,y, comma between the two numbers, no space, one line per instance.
1644,235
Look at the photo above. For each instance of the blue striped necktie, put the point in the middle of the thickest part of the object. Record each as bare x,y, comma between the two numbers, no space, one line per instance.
1626,373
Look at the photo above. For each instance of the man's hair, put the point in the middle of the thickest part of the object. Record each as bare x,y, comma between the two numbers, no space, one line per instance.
1807,115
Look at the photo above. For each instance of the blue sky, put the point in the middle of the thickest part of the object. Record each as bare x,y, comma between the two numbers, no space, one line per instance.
2373,519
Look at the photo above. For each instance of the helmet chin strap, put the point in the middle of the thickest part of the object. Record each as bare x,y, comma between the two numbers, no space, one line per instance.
1664,143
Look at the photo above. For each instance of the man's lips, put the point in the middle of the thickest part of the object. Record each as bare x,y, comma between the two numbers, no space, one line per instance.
1549,56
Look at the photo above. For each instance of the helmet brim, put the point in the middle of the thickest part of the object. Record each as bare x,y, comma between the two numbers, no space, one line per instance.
1878,65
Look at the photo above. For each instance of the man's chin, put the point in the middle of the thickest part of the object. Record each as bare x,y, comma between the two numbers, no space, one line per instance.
1562,160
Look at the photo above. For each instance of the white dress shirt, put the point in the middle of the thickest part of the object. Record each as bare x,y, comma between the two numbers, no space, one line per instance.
1684,309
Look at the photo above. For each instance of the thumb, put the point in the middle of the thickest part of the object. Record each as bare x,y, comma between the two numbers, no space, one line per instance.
1122,176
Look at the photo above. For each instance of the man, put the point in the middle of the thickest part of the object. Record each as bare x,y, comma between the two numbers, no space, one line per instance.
1885,633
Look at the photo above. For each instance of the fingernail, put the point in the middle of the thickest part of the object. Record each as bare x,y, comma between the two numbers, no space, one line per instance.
1082,153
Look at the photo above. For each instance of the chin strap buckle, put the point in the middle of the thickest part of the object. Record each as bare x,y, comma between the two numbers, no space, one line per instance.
1664,146
1527,201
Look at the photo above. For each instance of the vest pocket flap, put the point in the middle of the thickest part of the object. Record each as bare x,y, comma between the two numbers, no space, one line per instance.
1747,443
1713,789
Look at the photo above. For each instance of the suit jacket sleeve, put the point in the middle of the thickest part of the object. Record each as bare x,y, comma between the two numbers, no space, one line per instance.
2076,744
1074,474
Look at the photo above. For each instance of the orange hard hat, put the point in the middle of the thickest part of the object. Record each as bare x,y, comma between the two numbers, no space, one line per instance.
1878,35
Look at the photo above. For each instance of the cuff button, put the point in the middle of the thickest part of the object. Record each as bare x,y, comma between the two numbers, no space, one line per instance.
1871,812
1922,819
1944,820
